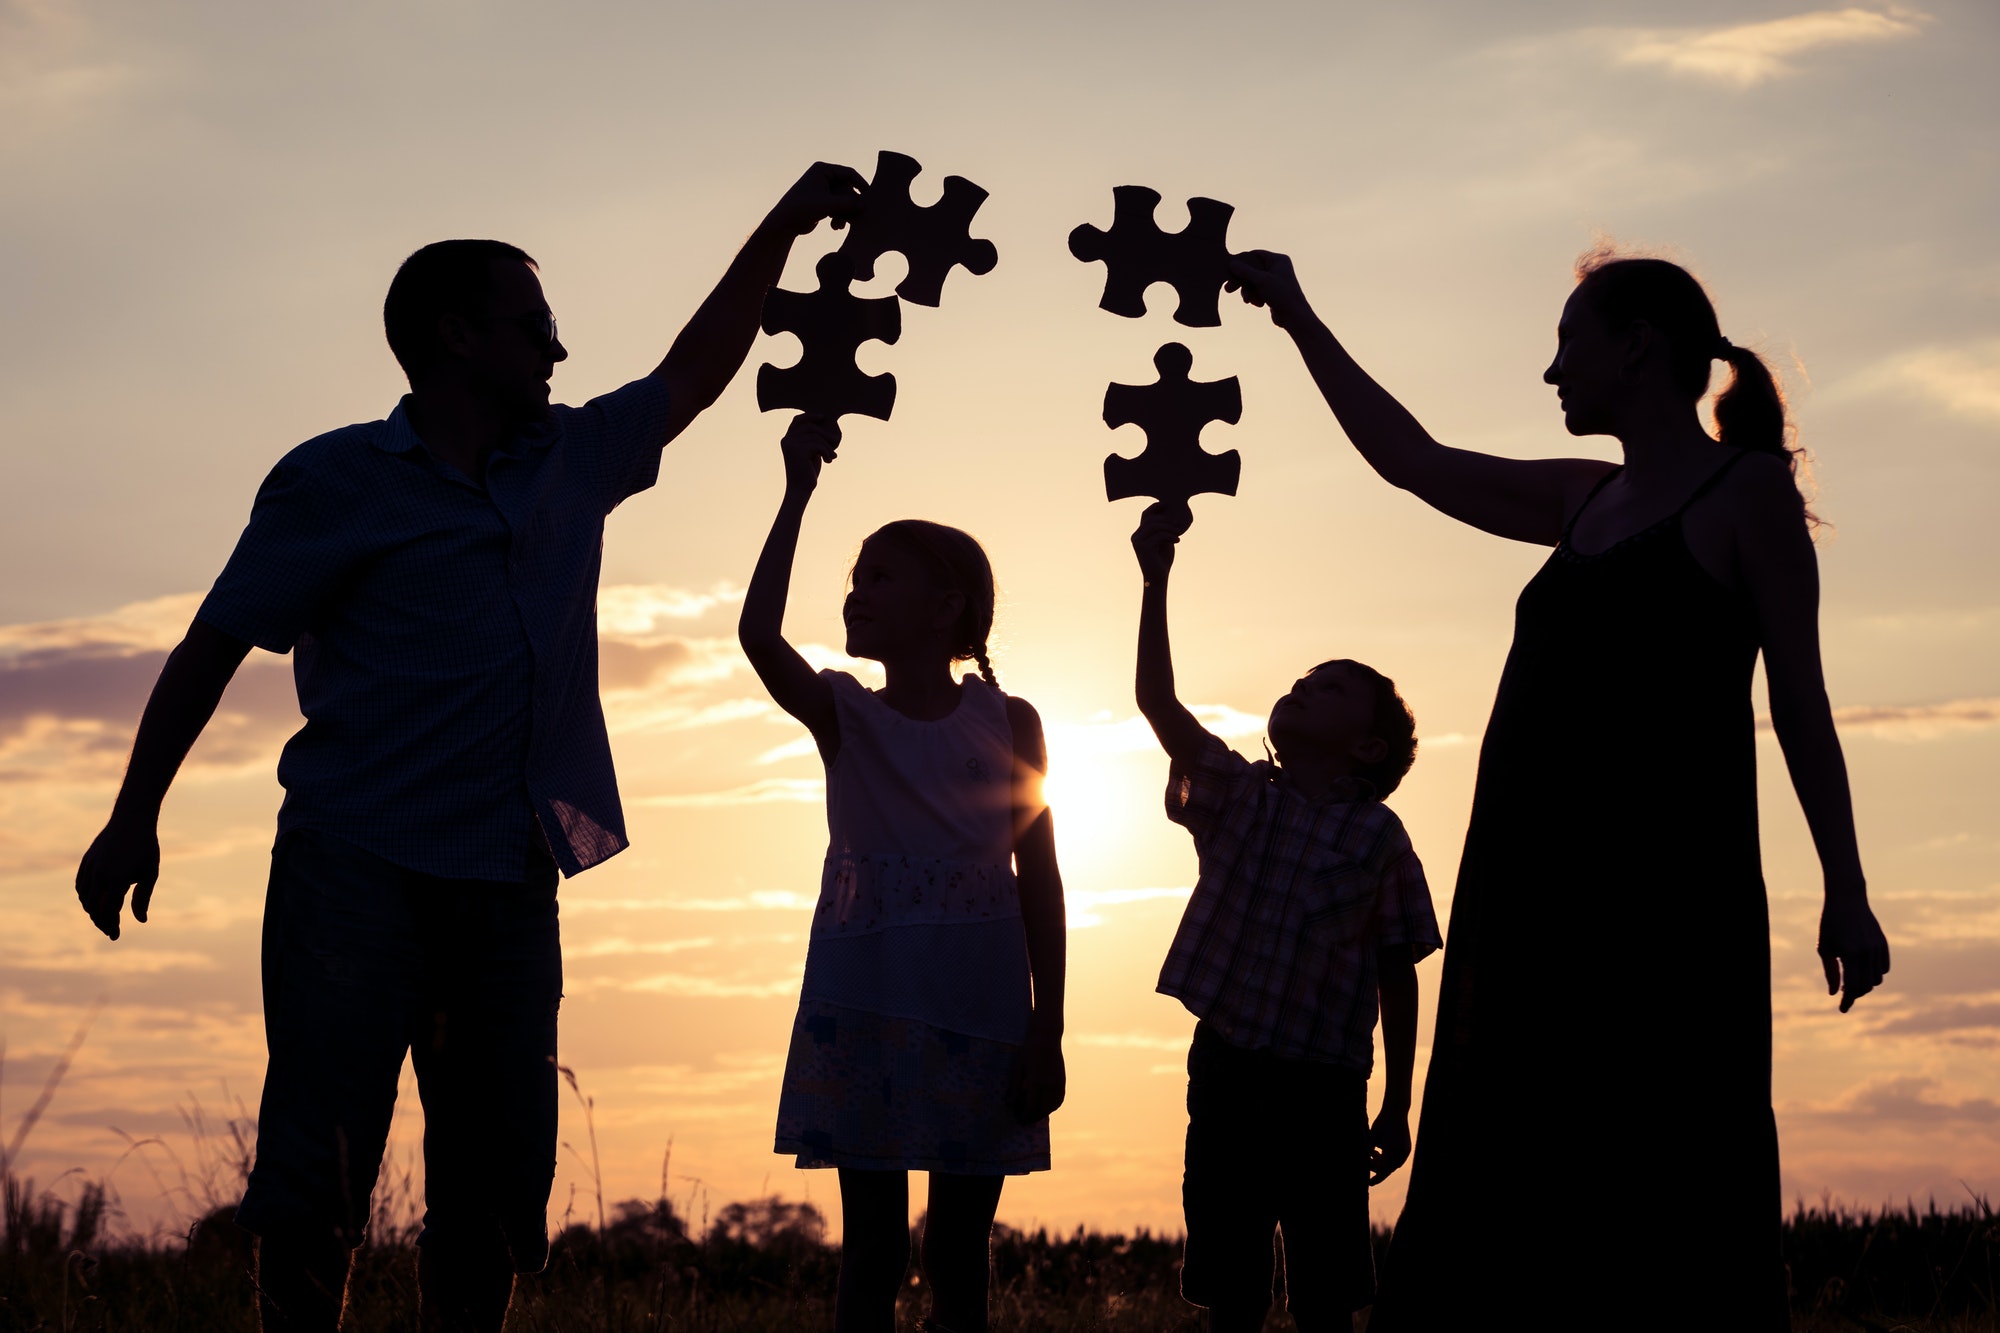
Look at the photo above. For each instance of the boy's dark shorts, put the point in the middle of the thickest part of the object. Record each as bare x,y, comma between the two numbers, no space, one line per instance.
364,961
1275,1145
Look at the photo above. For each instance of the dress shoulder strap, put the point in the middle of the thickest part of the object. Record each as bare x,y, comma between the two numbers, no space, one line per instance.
1602,482
1714,480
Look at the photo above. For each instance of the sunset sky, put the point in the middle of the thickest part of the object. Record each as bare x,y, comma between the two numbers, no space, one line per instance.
203,205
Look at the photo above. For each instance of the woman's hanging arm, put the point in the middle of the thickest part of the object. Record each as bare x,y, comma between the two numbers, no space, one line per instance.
1780,571
1524,500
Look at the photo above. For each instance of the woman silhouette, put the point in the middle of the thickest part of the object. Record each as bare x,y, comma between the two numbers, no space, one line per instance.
1597,1116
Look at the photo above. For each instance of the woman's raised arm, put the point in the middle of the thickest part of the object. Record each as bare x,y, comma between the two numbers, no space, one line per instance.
1525,500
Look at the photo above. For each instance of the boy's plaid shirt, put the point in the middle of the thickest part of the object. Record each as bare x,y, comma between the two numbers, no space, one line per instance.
1276,950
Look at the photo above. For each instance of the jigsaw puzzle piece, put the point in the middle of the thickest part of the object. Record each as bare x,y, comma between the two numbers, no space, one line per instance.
1137,254
933,240
830,324
1172,412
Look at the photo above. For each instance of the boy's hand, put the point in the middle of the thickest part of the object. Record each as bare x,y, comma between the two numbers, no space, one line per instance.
826,190
1038,1082
1388,1143
1160,529
809,442
1266,278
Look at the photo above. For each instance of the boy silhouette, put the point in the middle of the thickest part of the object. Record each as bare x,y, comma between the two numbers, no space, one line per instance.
1310,905
434,576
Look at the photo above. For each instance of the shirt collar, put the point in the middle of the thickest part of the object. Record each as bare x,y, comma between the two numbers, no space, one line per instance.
398,436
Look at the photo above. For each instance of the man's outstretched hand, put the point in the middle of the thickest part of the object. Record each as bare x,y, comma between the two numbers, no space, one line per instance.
827,190
126,855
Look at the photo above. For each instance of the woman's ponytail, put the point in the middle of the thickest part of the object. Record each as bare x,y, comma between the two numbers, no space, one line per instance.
1750,412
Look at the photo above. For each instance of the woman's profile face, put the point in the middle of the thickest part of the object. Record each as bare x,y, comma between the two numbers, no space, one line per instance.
1588,371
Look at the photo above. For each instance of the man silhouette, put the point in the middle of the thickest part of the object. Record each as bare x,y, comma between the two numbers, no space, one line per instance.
434,576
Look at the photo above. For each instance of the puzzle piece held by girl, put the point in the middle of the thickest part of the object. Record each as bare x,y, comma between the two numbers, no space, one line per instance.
1137,254
934,239
1172,412
830,324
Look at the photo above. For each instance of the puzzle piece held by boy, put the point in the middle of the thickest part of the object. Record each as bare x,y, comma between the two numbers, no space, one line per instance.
1137,254
933,239
830,323
1172,412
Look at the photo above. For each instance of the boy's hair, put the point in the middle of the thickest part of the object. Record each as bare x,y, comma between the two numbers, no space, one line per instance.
960,565
1394,724
443,278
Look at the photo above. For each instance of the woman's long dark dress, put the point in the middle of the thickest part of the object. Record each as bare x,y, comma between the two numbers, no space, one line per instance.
1597,1148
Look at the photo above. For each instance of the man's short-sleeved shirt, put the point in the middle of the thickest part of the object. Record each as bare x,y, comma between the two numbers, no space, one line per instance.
444,635
1276,950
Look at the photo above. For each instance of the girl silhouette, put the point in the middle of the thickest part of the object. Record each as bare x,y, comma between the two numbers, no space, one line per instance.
929,1032
1597,1114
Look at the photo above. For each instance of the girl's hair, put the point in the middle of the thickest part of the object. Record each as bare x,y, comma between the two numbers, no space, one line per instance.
959,563
1623,291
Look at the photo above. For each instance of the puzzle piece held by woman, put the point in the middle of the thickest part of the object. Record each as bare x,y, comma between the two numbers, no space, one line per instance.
933,239
830,323
1172,412
1137,254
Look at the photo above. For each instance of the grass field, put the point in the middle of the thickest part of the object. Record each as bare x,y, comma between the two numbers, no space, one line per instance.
68,1262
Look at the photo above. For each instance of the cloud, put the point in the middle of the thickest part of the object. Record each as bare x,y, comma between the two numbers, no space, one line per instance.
761,792
1913,722
635,610
764,900
1748,54
1943,1018
1905,1101
1962,380
684,985
1128,1041
1104,734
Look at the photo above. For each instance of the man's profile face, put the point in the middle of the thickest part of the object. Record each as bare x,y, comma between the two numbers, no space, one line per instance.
503,354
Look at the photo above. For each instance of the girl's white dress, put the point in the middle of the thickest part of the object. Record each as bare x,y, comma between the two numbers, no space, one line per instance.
916,993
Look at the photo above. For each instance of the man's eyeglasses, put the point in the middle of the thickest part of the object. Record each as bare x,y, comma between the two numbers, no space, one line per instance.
539,325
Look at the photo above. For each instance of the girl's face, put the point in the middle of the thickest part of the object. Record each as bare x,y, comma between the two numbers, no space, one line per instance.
895,607
1589,370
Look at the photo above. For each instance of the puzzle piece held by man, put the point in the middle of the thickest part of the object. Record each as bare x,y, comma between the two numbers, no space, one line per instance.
933,239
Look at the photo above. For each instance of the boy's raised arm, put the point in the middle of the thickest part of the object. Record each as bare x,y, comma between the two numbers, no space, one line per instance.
710,350
797,688
1160,529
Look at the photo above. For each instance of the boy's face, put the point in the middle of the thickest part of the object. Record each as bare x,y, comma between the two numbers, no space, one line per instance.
1329,712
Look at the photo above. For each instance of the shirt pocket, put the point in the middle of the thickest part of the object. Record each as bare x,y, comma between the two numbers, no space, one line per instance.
1339,898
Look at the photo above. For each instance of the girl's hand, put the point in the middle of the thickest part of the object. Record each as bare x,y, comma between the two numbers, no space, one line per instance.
1266,278
1852,947
1037,1083
1160,529
809,442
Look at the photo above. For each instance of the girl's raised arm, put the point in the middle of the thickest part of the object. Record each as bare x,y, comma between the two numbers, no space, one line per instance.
798,689
1526,500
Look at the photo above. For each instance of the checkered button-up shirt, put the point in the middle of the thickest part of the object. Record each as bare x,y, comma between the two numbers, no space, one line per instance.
444,635
1276,950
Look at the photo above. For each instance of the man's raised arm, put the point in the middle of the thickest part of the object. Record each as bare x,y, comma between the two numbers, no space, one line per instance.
126,855
710,350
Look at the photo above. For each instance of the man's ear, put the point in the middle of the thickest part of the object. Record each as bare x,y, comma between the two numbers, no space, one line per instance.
455,334
1371,751
950,606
